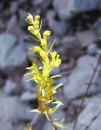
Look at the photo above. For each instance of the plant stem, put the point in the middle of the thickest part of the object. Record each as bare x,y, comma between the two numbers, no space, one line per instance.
55,128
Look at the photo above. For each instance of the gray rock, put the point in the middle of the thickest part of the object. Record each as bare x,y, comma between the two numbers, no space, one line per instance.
59,28
2,79
47,126
36,2
97,27
37,118
13,7
12,88
23,113
88,114
28,85
82,74
13,58
86,37
55,71
92,48
11,23
8,107
22,15
30,52
2,25
28,96
70,42
65,7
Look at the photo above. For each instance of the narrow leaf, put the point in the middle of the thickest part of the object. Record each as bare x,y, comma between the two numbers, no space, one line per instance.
55,76
35,110
57,86
33,38
62,120
27,21
40,25
55,102
59,125
56,107
52,46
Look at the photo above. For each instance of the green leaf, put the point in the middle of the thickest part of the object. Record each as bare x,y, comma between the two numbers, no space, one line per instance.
33,38
55,76
57,86
55,102
35,110
40,25
59,125
56,107
27,21
52,46
62,120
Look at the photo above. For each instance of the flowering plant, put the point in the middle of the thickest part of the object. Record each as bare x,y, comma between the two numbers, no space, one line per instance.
41,74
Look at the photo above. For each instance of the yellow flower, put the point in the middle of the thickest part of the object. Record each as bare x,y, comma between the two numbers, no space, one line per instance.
55,59
44,44
36,25
46,34
42,83
43,55
41,75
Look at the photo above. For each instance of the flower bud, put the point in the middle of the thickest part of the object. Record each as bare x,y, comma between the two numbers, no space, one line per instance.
36,25
37,17
44,44
31,28
37,34
43,55
30,18
46,34
36,49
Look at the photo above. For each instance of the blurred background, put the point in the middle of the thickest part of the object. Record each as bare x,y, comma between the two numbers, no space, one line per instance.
76,26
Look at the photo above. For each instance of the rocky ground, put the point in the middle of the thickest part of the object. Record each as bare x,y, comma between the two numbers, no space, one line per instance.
77,28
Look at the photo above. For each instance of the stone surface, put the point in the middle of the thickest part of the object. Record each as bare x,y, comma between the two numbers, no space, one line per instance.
8,107
28,96
70,42
28,85
92,48
11,23
65,7
90,112
38,121
11,88
30,52
59,28
13,7
23,113
86,37
2,79
22,15
13,58
17,32
97,27
76,86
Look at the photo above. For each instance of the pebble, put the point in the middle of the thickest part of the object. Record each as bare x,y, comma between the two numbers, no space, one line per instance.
92,48
13,58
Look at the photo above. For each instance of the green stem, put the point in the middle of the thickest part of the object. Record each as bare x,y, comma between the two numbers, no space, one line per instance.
55,128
